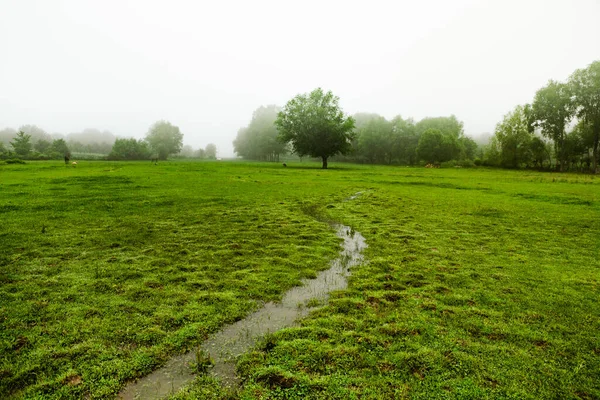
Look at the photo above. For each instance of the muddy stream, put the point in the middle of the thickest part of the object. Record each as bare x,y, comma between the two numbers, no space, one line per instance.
235,339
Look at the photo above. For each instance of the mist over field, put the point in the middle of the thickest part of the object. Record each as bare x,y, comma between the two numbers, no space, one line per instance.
120,66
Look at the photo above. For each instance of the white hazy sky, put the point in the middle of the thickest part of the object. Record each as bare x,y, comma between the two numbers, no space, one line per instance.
206,66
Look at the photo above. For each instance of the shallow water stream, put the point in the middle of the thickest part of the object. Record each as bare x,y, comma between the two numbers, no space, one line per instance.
237,338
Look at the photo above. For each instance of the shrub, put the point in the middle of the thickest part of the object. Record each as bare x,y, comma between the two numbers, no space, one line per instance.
14,161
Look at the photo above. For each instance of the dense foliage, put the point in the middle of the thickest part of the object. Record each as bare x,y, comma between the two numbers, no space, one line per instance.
565,113
373,140
314,125
164,139
259,140
22,145
130,149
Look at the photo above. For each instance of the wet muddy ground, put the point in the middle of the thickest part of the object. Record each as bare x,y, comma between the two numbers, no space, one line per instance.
235,339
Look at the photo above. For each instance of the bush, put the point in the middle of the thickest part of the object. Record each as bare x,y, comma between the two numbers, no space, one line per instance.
14,161
478,162
449,164
129,149
466,163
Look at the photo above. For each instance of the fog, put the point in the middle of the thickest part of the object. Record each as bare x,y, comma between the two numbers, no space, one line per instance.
120,66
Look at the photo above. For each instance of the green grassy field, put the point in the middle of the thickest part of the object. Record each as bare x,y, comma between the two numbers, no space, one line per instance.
479,283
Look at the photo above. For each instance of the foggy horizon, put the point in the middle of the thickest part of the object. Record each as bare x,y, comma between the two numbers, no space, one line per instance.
122,66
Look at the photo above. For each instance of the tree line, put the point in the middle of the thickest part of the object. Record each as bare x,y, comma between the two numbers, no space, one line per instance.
366,138
559,130
162,140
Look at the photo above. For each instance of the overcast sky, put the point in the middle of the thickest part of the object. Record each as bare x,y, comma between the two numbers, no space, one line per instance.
205,66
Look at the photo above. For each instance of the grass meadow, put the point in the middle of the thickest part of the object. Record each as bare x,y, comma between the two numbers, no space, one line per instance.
477,283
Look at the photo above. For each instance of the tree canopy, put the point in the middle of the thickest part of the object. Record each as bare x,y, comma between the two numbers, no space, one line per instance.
514,138
21,144
315,125
129,149
210,151
552,109
164,139
585,88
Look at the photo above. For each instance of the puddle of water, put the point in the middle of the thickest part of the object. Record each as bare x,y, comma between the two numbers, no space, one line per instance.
240,337
354,196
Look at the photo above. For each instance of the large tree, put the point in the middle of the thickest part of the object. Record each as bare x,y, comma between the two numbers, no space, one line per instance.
315,125
513,136
21,144
552,109
164,139
585,87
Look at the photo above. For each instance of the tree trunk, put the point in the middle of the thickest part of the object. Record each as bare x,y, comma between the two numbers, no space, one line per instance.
560,154
324,162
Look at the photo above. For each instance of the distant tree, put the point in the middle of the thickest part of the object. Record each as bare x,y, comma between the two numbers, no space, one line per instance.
35,132
585,87
244,146
491,153
210,151
406,140
258,141
315,125
435,147
3,150
552,109
376,142
164,139
513,135
91,141
468,147
186,151
450,128
361,119
130,149
200,153
42,146
60,146
21,144
92,135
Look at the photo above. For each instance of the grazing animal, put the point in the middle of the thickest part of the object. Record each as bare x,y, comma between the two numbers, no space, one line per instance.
284,164
67,158
74,163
